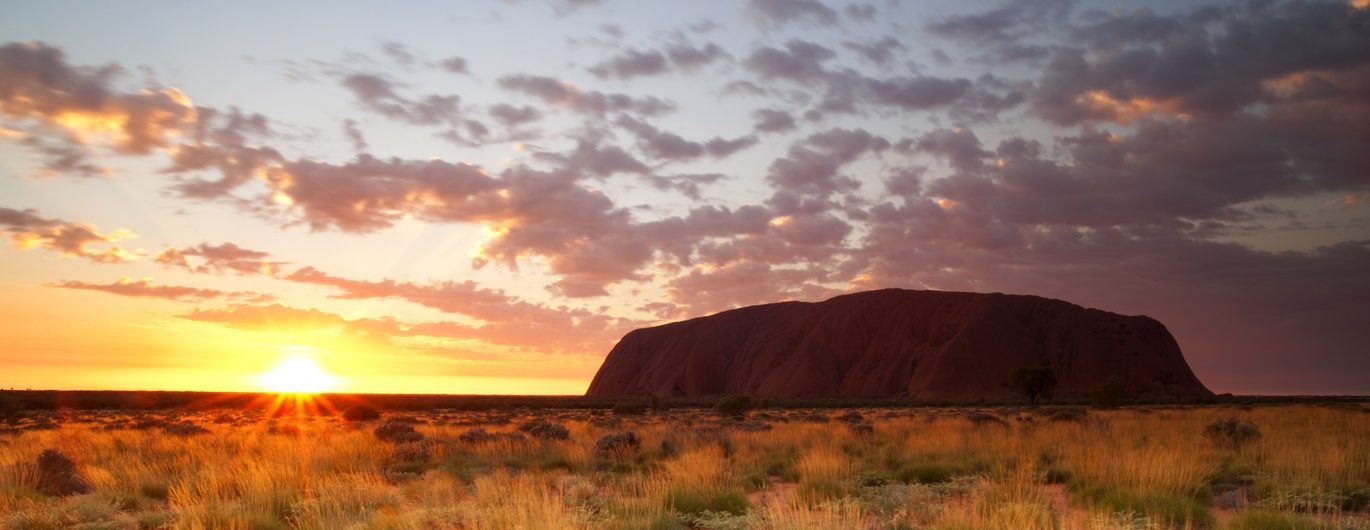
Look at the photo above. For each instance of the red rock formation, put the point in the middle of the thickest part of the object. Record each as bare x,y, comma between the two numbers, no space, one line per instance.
894,342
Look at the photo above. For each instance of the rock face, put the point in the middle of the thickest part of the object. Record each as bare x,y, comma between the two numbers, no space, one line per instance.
921,344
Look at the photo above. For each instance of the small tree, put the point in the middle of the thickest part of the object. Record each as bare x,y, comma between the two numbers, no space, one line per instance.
1034,383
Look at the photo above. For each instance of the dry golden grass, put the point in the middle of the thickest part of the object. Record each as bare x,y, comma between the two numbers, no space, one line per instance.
920,468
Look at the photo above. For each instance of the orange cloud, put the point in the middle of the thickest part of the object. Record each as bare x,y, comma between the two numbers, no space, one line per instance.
40,86
1120,110
144,288
226,257
28,230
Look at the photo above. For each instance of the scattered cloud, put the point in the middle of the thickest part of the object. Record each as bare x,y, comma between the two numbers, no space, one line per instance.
638,63
377,94
784,12
144,288
560,94
226,257
78,240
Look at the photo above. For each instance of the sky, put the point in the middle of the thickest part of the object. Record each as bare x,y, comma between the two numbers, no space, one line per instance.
482,197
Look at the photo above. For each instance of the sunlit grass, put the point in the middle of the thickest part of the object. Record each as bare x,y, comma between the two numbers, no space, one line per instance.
927,468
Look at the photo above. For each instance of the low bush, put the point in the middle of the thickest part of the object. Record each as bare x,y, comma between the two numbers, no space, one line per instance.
692,501
1066,414
397,432
411,452
629,408
1109,395
981,419
734,405
930,472
184,429
361,413
1173,510
1231,433
545,430
617,445
58,475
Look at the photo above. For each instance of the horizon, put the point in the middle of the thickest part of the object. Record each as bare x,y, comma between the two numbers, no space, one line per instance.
482,200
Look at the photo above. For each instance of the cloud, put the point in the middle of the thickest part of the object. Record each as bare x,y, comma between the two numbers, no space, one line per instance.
224,142
63,154
75,107
812,165
879,52
398,53
689,57
784,12
504,319
1007,31
1207,61
633,62
575,332
688,184
455,65
144,288
79,240
466,298
513,116
593,158
707,290
377,94
844,90
579,234
959,147
1164,173
773,121
916,93
272,317
226,257
355,136
566,95
369,193
663,145
861,12
799,60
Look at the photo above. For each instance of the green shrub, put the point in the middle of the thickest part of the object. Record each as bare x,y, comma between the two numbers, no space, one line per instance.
1168,509
692,501
937,472
708,520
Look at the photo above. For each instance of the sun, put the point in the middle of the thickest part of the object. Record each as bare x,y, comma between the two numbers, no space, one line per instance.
298,374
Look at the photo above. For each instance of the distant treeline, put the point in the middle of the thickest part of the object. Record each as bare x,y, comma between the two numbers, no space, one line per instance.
163,400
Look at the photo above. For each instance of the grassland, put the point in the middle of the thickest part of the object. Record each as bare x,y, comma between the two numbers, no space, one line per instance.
1009,468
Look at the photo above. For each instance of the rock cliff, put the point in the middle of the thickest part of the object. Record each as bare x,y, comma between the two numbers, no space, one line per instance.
931,345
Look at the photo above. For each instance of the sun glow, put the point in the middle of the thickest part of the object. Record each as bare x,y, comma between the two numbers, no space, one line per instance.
298,374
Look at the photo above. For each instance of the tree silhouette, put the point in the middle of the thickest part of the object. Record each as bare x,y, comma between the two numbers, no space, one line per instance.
1034,383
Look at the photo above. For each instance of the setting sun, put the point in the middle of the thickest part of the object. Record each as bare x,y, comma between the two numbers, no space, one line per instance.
298,374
